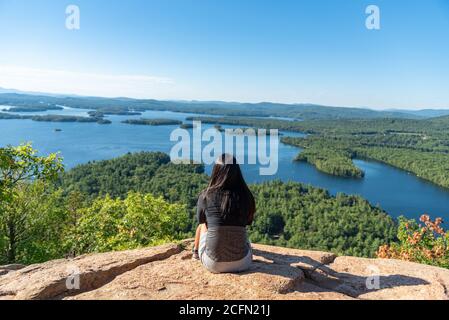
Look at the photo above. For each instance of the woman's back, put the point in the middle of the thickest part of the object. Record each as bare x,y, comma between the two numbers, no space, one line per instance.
225,208
226,237
211,202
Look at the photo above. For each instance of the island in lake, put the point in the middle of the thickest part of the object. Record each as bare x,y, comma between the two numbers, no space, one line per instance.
153,122
53,118
33,109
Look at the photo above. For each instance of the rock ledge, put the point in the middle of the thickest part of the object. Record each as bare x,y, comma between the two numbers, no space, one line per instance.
167,272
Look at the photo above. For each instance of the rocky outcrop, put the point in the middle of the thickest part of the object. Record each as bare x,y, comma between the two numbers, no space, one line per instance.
10,268
167,272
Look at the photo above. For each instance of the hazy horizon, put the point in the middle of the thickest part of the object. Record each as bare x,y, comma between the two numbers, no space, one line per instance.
18,91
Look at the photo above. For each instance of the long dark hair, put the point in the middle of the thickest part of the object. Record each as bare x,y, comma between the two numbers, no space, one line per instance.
227,181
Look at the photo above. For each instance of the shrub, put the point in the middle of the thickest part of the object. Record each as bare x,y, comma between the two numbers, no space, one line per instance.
425,243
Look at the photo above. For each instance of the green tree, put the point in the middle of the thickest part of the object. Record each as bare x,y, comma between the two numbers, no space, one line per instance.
22,178
21,164
32,224
116,224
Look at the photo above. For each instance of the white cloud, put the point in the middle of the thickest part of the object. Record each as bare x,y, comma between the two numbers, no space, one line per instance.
69,82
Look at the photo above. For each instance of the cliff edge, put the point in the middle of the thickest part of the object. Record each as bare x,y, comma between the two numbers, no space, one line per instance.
167,272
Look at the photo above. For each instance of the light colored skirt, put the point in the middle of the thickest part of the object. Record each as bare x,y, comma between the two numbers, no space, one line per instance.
223,267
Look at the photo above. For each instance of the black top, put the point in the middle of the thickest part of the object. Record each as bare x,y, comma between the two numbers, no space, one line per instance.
209,212
226,240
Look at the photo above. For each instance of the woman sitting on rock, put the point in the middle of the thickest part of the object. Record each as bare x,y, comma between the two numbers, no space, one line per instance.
225,208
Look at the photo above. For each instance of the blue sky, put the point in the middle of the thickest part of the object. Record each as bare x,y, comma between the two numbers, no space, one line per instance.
314,51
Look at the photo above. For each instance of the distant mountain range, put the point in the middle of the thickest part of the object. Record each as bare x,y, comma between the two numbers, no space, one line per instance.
19,98
3,90
34,93
425,113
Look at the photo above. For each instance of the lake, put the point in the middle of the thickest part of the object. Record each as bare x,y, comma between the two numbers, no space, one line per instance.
396,191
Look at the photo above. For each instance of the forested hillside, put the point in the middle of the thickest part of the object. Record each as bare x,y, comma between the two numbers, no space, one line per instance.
300,216
421,147
144,172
